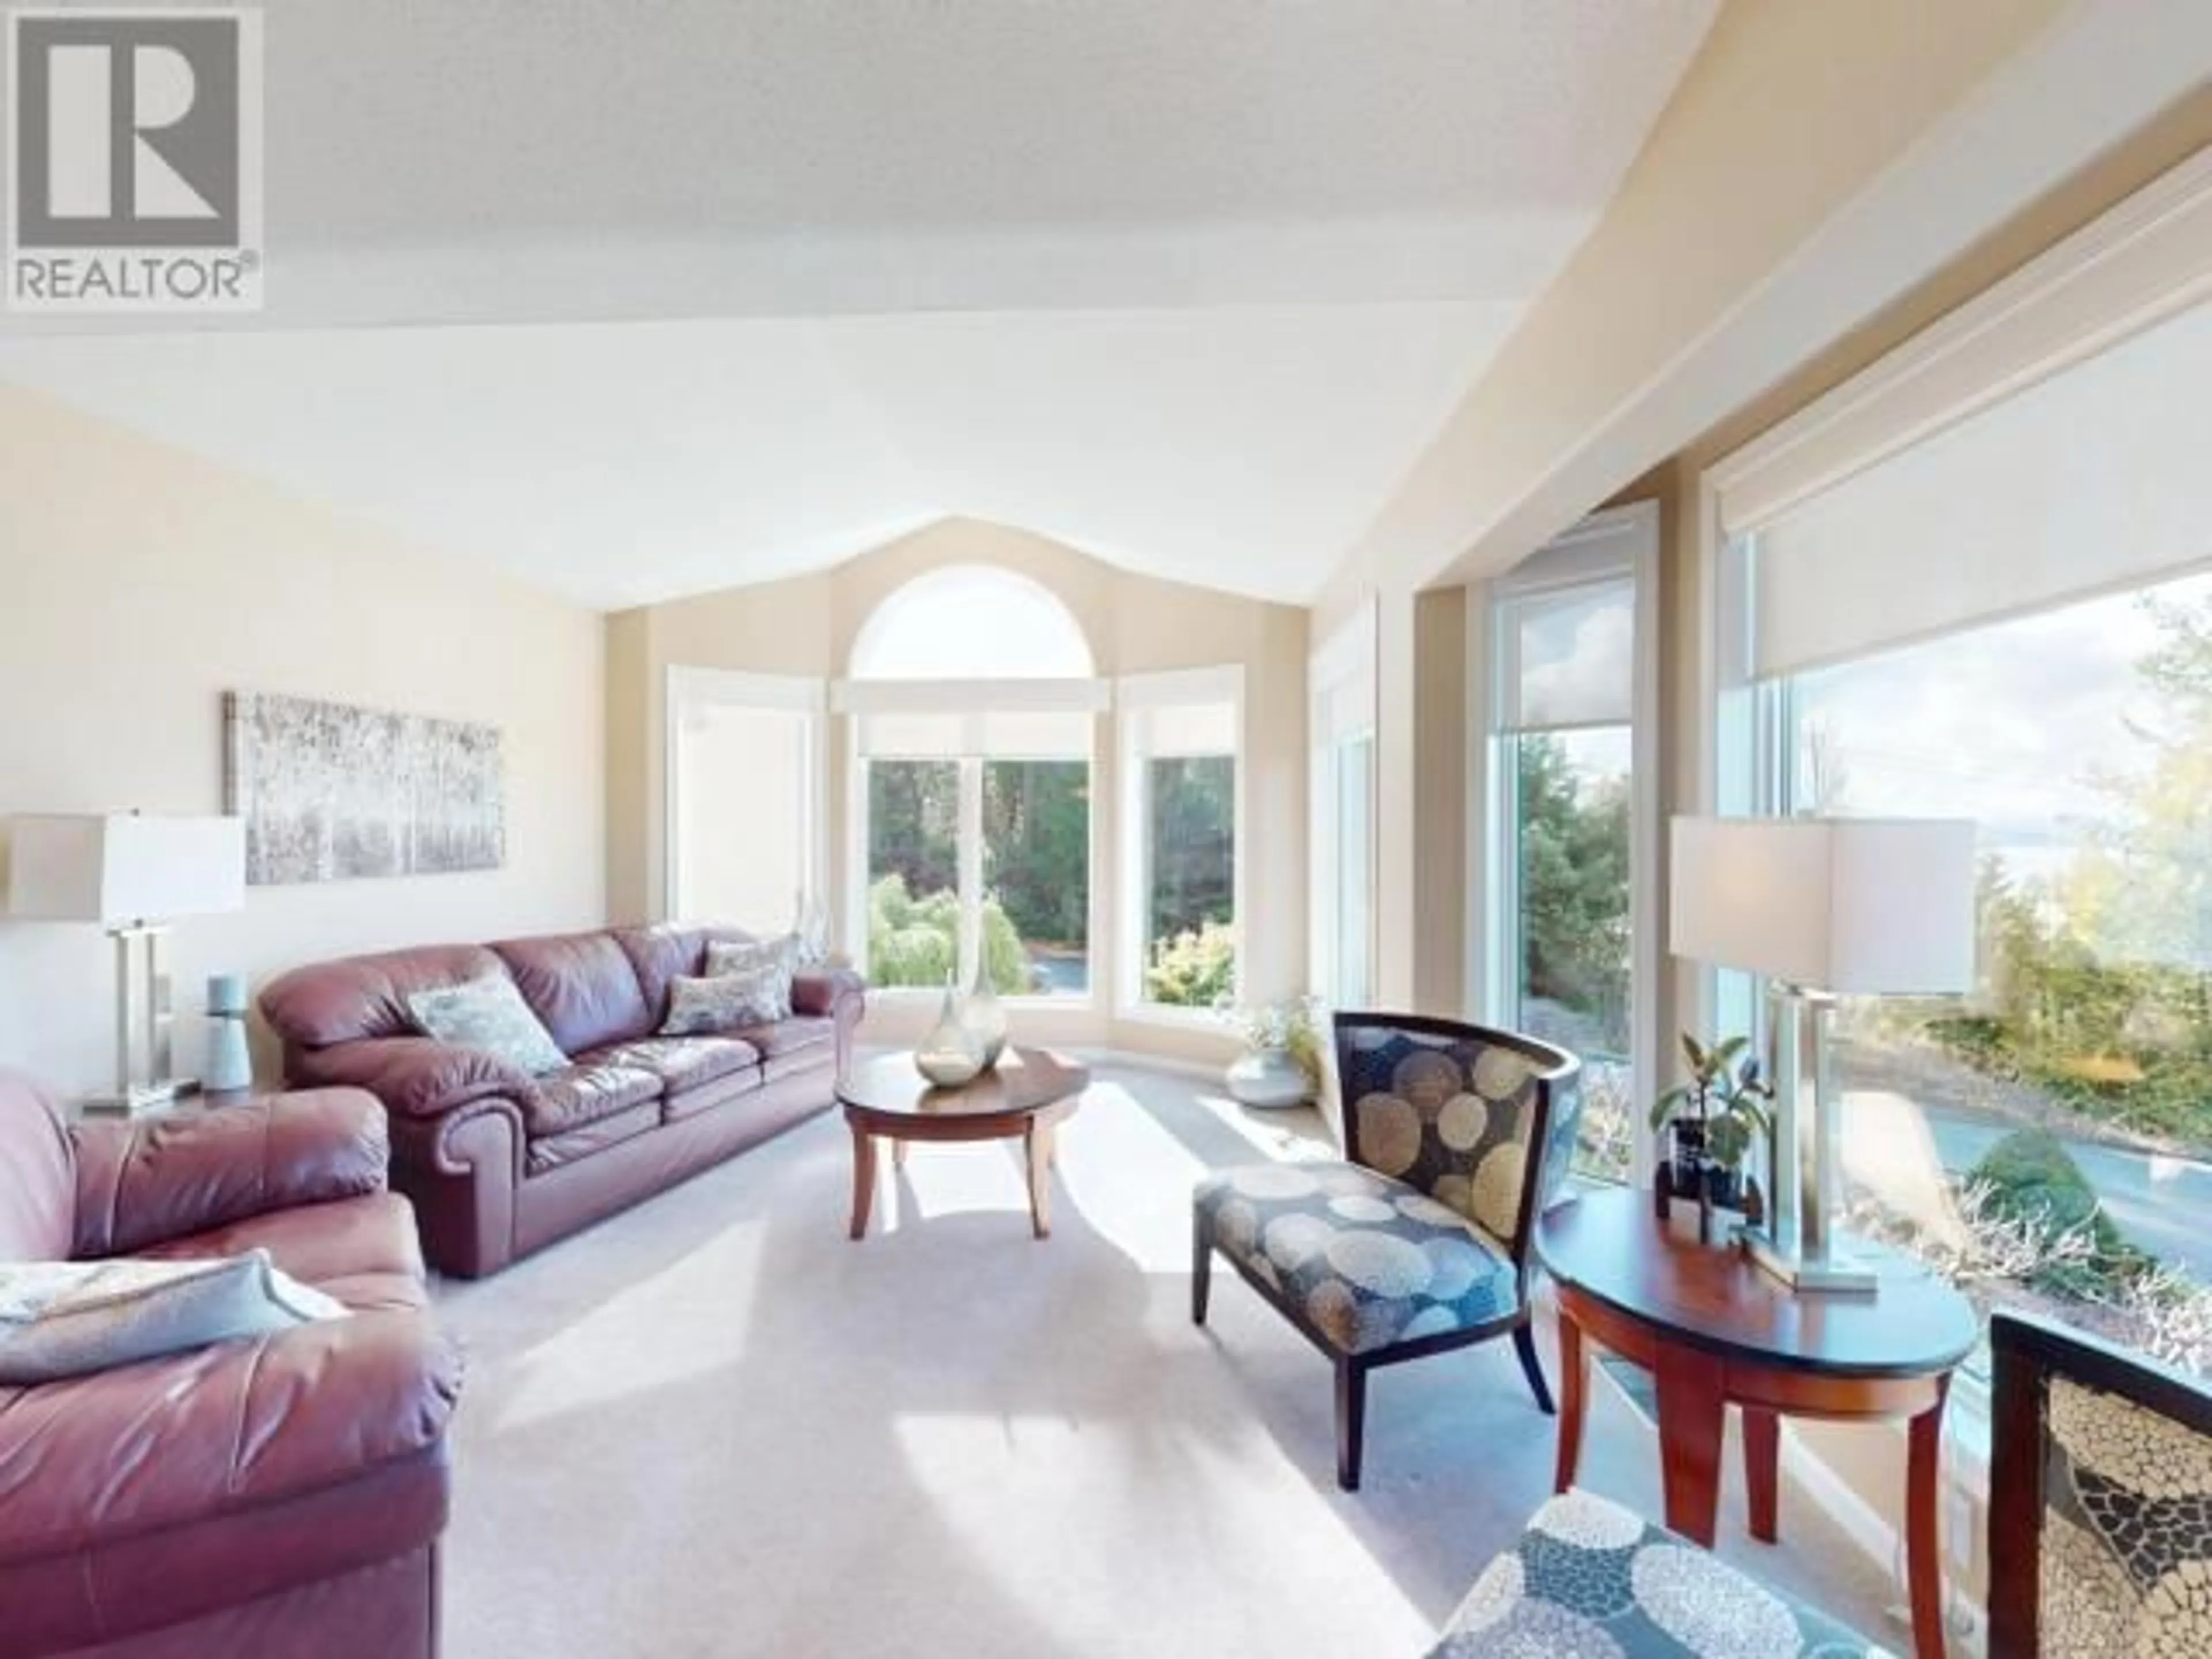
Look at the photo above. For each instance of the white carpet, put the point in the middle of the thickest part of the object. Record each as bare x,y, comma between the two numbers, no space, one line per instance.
713,1426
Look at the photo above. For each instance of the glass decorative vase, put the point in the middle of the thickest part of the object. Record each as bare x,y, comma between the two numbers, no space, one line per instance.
985,1017
950,1055
229,1062
811,927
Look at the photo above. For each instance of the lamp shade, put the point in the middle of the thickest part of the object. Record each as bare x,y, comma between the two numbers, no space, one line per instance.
121,868
1855,906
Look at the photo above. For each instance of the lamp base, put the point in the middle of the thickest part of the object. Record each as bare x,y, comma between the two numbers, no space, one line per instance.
143,1100
1826,1275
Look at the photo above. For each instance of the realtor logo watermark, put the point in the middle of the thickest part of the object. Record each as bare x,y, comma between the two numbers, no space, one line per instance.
134,160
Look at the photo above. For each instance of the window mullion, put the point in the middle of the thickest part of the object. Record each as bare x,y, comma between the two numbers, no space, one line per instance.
971,867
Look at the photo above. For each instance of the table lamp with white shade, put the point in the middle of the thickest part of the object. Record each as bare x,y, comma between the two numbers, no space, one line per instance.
1822,908
132,873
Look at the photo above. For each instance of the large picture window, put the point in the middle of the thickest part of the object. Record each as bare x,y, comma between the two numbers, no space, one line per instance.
2051,1137
1182,738
915,911
2006,616
973,717
1037,869
1566,820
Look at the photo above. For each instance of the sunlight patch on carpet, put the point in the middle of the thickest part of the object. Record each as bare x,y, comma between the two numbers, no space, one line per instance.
688,1318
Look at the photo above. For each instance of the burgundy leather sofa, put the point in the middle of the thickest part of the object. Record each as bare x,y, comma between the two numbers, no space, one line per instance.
279,1495
500,1163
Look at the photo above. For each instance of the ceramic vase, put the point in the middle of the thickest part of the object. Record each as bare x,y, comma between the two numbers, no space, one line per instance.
1267,1077
229,1067
950,1055
985,1017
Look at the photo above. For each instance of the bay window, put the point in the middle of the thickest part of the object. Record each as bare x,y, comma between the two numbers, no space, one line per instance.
973,716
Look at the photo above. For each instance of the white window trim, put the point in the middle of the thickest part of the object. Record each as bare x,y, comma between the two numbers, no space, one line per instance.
687,687
1168,688
866,643
1614,543
1347,659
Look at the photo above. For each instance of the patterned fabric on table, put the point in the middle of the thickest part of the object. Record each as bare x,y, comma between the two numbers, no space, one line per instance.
1453,1118
1590,1580
1370,1261
2127,1530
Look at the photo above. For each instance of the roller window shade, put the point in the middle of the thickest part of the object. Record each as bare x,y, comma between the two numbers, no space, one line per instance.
1185,730
951,720
1569,658
1181,712
2092,480
998,734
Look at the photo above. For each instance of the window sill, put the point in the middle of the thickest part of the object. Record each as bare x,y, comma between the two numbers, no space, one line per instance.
915,995
1168,1014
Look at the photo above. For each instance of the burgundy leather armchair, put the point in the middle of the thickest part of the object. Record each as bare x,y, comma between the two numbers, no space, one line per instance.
279,1496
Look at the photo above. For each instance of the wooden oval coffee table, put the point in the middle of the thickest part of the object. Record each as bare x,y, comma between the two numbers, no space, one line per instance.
1714,1330
1025,1098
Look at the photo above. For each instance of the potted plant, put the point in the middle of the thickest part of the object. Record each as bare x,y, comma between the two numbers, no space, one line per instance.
1727,1095
1282,1062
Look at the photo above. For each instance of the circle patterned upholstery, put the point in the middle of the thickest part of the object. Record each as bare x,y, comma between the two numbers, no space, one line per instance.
1365,1259
1453,1117
1415,1236
2127,1529
1590,1580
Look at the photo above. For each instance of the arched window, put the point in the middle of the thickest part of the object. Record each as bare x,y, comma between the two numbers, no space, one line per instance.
973,710
971,622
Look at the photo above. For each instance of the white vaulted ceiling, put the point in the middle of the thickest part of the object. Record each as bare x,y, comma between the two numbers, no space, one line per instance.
643,299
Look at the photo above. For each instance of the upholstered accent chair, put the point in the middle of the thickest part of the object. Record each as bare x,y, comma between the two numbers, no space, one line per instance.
2100,1500
1418,1242
2099,1537
1590,1578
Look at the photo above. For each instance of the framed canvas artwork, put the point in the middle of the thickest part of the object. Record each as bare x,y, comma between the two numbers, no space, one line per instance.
333,793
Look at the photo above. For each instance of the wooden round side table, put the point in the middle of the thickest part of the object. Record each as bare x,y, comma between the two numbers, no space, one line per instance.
1025,1097
1714,1330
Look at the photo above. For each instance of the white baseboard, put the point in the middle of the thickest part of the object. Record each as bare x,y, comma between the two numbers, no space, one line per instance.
1874,1535
1841,1502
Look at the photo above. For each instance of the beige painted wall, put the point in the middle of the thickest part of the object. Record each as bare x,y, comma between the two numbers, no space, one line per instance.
1135,624
142,583
1790,108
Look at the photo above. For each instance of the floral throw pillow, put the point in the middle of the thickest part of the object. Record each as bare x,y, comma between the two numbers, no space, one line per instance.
489,1014
725,1002
776,959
